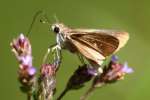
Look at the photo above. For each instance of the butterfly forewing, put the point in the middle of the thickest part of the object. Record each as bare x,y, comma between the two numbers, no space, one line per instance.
120,35
102,43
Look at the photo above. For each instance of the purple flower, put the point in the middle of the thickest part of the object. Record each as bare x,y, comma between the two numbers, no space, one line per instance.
126,68
26,75
47,81
117,71
113,72
31,71
25,60
21,47
92,71
82,75
114,58
48,70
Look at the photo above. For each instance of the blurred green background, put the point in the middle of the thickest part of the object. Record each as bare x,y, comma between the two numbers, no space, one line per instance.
132,16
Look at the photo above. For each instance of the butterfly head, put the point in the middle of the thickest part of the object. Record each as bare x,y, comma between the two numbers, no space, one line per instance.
59,28
61,31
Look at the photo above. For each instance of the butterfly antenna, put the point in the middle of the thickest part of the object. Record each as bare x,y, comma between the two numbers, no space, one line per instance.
33,21
45,19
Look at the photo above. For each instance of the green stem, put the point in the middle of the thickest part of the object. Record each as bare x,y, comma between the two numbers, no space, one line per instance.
63,93
29,96
88,93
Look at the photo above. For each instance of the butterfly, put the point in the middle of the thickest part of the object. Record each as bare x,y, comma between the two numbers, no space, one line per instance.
93,44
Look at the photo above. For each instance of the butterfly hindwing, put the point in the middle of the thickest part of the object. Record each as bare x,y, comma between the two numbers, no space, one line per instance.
88,52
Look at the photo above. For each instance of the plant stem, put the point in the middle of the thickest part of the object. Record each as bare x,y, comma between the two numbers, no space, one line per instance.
29,96
63,93
88,93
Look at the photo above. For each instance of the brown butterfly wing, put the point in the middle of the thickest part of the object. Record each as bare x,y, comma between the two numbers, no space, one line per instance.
88,52
122,36
102,43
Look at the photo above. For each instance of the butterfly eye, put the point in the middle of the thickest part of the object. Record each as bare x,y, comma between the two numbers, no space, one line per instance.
56,29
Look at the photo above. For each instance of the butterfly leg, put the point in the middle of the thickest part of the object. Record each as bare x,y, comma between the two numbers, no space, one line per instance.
56,50
81,58
48,52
